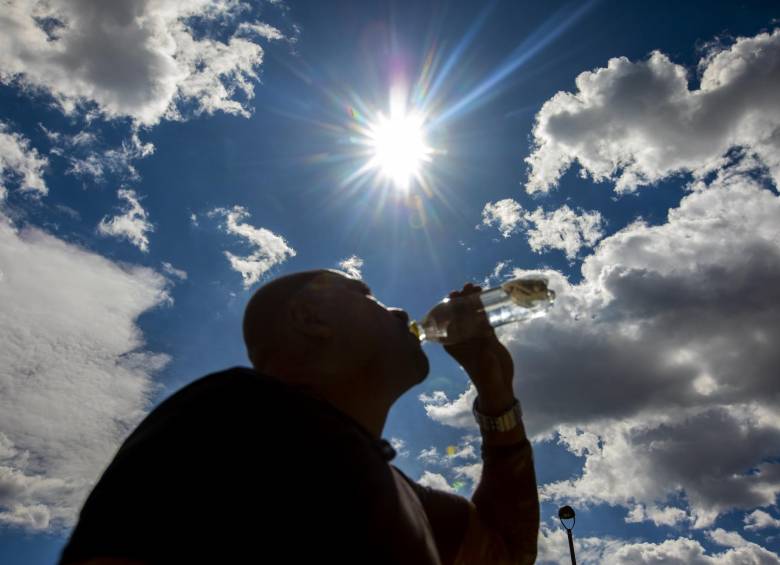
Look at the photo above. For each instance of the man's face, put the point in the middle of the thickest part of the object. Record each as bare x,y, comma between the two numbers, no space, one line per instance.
370,333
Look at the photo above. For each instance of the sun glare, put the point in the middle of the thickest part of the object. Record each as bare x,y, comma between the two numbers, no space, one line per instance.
399,147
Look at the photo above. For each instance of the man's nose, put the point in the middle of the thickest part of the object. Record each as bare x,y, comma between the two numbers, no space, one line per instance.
401,314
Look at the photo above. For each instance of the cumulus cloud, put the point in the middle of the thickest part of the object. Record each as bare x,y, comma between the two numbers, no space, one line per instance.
664,352
20,164
506,214
269,249
553,550
73,371
456,413
435,480
553,547
760,520
660,516
472,472
661,355
685,551
561,229
353,266
132,224
141,59
635,123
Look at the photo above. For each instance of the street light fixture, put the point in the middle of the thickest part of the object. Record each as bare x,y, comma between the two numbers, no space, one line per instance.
567,513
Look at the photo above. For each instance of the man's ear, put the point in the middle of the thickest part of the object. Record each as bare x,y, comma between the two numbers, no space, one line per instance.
308,320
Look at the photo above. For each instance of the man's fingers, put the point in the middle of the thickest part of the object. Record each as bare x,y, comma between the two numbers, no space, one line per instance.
468,288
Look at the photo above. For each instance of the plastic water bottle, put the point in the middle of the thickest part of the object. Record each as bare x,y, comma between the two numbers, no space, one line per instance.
458,319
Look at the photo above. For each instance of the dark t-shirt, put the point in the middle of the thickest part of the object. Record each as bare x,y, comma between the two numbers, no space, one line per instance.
240,467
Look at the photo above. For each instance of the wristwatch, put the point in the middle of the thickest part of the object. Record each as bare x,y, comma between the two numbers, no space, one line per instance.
504,422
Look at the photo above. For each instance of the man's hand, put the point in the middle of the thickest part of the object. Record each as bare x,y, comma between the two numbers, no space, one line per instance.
487,363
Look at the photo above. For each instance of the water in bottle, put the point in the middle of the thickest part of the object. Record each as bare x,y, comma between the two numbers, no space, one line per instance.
458,319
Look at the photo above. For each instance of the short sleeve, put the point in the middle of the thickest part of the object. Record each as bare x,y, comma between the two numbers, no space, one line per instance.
448,515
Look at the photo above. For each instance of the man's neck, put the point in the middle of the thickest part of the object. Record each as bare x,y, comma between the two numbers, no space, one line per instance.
369,408
366,408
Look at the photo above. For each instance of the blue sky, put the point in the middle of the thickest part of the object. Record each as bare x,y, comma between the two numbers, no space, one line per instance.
626,150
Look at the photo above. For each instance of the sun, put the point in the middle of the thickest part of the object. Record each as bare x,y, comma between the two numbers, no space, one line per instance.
399,146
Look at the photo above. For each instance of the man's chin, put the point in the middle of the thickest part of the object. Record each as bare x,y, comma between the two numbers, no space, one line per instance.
425,366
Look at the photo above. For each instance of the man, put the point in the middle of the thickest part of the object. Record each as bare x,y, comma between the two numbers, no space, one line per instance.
284,463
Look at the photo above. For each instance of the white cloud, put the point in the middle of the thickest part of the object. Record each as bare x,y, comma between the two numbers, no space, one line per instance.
665,516
578,442
635,123
261,29
661,355
429,456
438,397
553,547
463,452
137,58
133,224
173,271
456,413
352,266
269,249
760,520
686,551
499,272
20,164
466,449
472,472
80,139
553,550
74,375
117,161
435,480
665,351
400,446
85,138
562,229
506,214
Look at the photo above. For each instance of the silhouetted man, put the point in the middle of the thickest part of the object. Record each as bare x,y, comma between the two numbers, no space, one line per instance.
284,463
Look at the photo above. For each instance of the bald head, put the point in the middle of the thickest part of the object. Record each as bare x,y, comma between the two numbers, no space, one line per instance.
268,314
325,332
265,321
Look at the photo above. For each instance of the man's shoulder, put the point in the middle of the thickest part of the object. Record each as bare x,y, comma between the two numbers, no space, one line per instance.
225,380
214,400
236,384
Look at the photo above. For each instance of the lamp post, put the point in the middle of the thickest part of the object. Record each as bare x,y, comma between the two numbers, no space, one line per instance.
567,513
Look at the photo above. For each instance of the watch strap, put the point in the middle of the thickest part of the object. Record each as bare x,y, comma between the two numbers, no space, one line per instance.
501,423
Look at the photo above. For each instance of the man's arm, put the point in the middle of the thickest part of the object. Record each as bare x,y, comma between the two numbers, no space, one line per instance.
504,515
500,524
504,521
